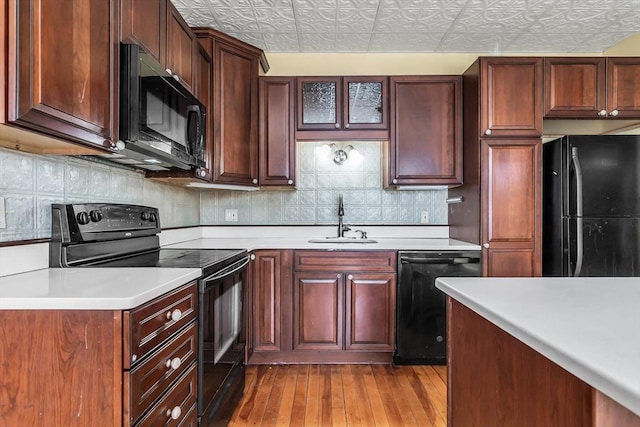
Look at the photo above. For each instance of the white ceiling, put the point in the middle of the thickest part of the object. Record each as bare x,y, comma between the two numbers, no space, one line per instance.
494,26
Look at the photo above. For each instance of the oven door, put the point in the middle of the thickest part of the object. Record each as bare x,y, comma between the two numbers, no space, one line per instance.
221,346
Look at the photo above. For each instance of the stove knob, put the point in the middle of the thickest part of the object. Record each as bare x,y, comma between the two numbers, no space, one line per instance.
152,217
95,215
145,216
83,218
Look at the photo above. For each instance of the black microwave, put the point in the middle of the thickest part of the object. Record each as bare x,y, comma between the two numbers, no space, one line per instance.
161,123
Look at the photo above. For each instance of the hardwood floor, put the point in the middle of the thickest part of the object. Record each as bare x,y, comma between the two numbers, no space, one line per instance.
343,395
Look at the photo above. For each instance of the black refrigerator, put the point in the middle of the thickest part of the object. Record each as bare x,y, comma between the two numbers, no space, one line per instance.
591,206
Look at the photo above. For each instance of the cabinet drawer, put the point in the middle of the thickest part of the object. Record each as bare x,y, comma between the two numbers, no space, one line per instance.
149,325
345,261
173,409
150,379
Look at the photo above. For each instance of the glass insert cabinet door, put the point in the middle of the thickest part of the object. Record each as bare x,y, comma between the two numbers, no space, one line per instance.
342,103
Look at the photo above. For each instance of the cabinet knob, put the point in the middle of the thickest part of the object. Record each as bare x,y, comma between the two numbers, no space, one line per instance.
168,70
346,126
350,277
337,125
254,181
487,132
116,145
290,182
252,257
338,275
173,363
485,245
174,413
201,173
602,113
613,113
174,315
395,181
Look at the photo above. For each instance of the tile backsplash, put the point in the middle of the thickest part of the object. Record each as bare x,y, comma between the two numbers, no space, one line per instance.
315,200
30,183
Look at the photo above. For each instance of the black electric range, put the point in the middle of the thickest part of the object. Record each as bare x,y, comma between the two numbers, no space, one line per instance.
118,235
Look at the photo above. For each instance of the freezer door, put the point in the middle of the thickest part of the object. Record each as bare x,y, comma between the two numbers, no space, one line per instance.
607,247
606,170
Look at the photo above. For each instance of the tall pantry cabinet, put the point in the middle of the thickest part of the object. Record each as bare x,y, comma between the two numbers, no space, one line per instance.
499,205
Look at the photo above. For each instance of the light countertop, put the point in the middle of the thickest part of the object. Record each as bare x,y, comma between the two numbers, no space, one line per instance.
90,288
255,243
588,326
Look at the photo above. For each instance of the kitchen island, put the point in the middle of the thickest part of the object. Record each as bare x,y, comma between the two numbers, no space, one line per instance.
543,351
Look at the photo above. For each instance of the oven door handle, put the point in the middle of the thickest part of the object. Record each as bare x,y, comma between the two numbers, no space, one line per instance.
239,265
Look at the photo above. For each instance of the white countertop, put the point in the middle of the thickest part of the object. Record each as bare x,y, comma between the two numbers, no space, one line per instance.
255,243
90,288
588,326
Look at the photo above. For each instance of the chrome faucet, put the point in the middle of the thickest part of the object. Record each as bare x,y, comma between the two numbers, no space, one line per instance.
341,227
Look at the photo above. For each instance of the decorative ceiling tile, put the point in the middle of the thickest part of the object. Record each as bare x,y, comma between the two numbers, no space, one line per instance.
356,20
255,39
276,20
420,25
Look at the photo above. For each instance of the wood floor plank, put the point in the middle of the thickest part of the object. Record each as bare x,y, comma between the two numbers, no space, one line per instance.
343,396
338,411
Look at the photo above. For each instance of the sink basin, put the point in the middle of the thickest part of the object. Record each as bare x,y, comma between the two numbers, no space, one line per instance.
342,240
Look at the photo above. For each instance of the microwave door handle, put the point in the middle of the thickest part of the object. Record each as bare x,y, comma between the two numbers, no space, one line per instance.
194,110
579,212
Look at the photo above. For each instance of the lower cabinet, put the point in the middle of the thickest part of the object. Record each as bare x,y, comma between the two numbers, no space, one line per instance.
315,306
101,367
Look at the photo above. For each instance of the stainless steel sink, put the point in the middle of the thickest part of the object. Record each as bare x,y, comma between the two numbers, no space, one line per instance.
342,240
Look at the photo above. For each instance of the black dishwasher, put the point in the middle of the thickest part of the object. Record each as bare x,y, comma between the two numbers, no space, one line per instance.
421,328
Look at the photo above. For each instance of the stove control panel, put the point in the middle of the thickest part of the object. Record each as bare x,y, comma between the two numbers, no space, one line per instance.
102,221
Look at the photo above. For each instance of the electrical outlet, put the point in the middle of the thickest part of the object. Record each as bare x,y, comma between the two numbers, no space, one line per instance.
424,217
3,221
231,215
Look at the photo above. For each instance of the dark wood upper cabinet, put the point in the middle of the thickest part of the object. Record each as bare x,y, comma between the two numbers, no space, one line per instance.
144,23
234,108
181,48
592,87
623,87
62,69
425,145
277,131
342,107
512,97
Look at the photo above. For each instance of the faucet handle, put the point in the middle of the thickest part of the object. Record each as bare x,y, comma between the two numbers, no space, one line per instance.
363,234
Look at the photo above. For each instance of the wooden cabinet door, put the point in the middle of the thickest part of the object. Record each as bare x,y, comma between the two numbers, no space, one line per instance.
144,22
426,131
235,115
203,91
574,87
318,311
511,97
180,47
511,197
365,103
266,309
319,103
623,87
276,138
64,80
370,311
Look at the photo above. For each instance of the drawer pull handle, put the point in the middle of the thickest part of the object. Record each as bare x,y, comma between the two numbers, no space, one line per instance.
174,413
173,363
174,315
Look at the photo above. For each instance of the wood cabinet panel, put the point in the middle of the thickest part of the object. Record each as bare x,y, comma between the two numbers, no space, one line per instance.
574,87
144,22
266,312
352,261
181,47
64,79
318,311
425,147
509,263
370,314
623,87
277,131
511,93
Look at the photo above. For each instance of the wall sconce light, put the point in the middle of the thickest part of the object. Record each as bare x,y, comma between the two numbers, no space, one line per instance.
339,154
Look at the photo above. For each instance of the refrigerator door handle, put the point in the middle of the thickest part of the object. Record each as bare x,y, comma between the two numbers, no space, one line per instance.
579,211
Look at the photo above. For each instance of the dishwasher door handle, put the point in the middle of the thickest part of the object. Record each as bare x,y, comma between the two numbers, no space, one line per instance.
439,260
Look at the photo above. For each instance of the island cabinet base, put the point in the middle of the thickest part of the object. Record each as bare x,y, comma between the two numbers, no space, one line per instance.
496,380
